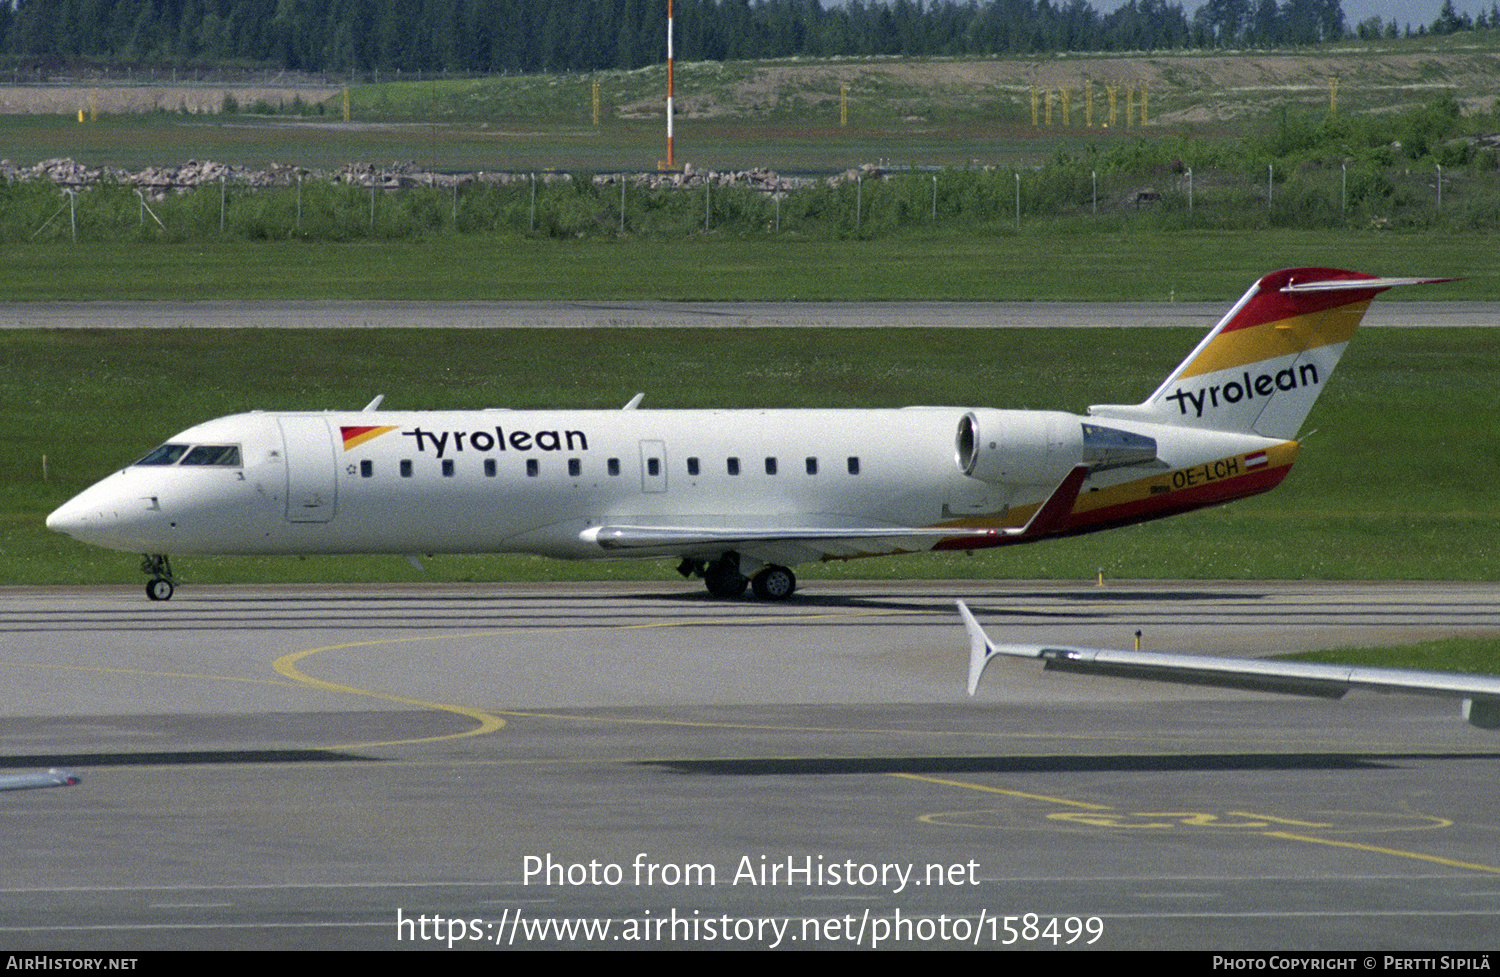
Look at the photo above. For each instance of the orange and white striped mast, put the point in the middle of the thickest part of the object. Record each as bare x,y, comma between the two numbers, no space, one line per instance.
671,161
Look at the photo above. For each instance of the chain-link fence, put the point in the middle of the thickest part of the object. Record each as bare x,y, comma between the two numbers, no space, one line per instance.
365,203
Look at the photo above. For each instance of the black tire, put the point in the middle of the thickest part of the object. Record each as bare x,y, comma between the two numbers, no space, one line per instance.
774,583
158,588
725,584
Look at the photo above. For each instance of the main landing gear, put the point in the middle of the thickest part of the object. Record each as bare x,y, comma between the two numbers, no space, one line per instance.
159,569
725,580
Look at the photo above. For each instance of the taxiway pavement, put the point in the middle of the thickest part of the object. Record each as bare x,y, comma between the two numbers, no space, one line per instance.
620,765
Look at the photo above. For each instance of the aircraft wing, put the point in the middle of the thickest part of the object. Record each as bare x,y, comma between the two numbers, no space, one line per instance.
1480,693
842,540
55,777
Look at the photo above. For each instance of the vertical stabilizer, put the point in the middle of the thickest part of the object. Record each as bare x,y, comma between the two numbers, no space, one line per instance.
1262,367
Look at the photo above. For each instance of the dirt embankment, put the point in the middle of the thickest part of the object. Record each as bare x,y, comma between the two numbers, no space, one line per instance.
1183,86
121,99
1186,86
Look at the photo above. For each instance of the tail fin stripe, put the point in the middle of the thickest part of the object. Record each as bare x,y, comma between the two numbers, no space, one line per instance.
1278,337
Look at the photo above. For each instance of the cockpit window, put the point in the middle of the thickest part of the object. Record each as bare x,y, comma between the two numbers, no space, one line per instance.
223,455
219,455
167,454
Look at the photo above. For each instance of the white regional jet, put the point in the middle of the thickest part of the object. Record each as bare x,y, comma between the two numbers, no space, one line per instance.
739,496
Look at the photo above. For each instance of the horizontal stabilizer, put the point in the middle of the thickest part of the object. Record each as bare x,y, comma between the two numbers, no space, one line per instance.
1359,285
1481,693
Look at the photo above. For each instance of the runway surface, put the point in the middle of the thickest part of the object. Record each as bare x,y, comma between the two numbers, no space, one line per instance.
621,765
697,315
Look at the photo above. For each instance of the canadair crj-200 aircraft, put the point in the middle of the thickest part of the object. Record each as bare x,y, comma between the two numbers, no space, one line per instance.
740,496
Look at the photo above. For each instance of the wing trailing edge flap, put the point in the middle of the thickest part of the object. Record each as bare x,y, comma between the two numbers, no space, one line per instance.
851,540
1480,693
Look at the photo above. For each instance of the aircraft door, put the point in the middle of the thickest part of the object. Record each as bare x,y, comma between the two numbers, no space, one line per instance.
653,466
311,472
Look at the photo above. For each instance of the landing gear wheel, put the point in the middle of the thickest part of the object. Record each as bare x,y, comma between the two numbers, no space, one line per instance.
723,577
725,585
159,569
774,583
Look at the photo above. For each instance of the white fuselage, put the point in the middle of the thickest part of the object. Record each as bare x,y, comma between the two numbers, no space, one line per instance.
539,481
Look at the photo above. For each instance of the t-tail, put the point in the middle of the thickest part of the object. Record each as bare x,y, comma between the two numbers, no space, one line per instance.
1260,370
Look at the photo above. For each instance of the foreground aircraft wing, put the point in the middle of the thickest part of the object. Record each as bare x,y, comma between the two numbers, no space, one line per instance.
1480,693
56,777
1048,518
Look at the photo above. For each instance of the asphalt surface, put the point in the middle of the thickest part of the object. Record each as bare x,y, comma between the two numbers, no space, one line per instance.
622,765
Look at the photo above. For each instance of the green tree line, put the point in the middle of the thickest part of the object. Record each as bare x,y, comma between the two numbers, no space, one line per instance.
491,36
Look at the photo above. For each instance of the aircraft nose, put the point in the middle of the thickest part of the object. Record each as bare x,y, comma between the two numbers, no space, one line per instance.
103,517
70,519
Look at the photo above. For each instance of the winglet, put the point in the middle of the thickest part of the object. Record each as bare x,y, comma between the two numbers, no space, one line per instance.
981,649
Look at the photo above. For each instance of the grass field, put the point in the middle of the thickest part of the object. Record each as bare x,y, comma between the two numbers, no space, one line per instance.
1135,265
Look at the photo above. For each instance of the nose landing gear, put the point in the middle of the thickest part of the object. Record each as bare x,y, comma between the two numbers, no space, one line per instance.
159,569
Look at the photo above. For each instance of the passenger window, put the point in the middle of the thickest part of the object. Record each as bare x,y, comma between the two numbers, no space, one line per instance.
692,466
489,468
812,466
366,468
733,466
575,467
613,466
533,468
406,468
653,467
770,466
447,467
854,465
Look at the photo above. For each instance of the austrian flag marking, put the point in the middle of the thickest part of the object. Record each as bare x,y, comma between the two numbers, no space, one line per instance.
354,436
1255,459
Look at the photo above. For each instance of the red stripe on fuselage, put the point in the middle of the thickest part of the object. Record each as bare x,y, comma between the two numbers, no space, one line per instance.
1151,507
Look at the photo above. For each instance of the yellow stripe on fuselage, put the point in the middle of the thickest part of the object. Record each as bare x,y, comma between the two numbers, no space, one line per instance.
1154,486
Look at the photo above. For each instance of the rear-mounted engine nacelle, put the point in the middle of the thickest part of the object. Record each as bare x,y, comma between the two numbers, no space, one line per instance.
1040,447
1018,446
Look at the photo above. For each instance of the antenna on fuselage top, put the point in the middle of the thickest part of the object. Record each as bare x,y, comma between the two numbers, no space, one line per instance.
374,404
635,401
